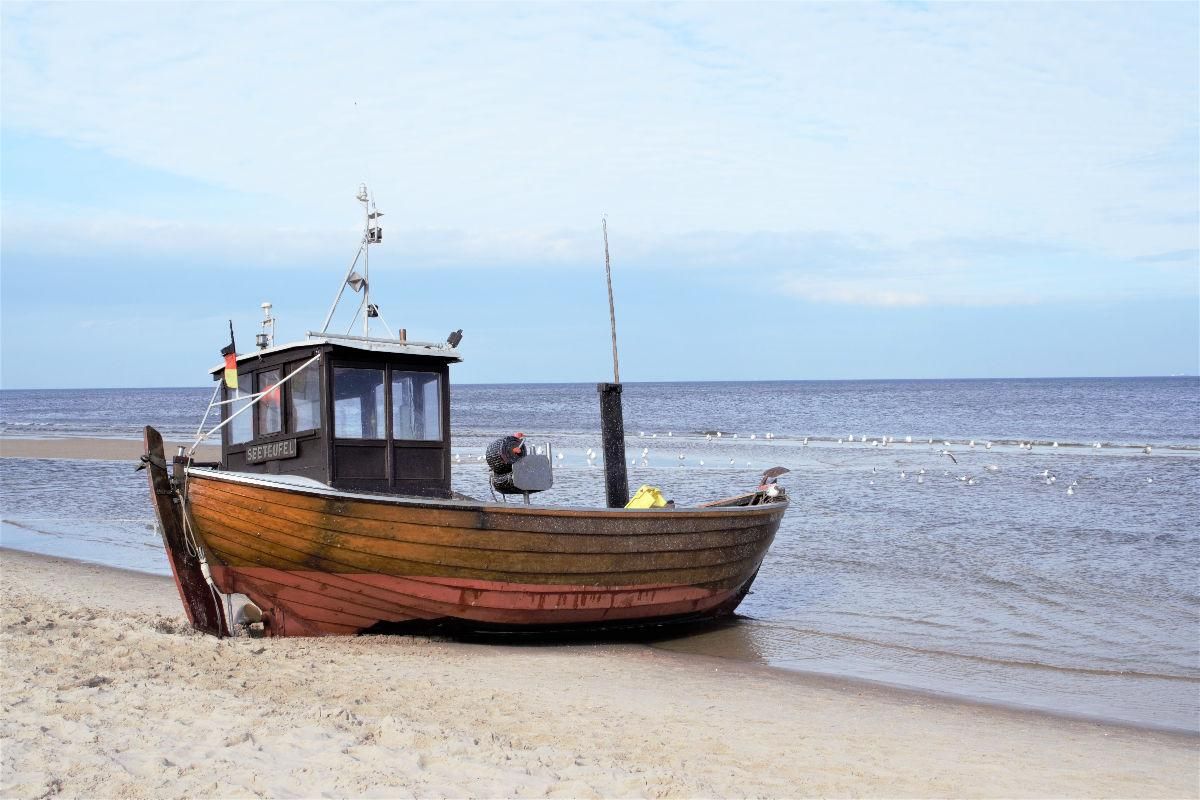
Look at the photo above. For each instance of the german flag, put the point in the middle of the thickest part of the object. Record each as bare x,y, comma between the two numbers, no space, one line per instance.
230,353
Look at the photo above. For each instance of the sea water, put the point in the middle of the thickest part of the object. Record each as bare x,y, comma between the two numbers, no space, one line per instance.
970,574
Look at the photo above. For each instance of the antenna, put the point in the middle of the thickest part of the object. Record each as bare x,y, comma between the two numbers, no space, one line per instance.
266,338
612,314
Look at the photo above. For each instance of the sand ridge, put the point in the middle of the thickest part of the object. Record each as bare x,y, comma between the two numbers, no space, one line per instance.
107,692
93,448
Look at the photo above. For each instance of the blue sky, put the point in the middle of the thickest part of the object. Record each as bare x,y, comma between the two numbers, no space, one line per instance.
793,191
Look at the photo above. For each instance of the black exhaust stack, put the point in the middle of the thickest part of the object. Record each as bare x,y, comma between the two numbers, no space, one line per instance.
612,439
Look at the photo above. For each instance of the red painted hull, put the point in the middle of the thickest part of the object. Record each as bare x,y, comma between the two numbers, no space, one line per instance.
304,603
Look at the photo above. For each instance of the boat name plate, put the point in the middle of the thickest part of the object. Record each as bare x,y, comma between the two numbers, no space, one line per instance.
271,451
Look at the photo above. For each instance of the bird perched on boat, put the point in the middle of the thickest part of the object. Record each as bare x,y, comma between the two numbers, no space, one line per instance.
987,446
1147,449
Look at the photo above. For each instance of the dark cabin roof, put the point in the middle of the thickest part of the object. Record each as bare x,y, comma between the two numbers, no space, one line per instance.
441,352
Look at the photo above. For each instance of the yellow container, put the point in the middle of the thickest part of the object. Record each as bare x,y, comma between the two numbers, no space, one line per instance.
647,497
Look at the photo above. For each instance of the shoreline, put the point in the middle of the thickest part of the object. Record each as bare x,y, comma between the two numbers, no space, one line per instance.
101,667
92,448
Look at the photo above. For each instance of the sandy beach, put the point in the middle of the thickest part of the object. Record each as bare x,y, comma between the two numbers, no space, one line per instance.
108,693
92,448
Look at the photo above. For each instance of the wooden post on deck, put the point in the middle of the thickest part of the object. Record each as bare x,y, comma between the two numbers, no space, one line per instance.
612,439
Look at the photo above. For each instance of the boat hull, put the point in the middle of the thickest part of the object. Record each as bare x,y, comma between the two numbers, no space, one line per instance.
319,562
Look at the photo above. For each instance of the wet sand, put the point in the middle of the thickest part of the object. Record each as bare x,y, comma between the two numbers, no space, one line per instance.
107,692
93,449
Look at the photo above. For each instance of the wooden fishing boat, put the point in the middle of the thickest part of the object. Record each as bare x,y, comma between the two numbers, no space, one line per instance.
331,509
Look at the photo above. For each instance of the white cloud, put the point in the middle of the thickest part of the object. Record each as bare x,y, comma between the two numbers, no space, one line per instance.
1029,121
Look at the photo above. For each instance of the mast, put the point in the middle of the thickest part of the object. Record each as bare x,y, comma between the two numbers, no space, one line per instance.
612,422
372,234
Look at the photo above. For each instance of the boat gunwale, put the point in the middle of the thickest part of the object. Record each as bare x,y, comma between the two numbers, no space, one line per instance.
252,479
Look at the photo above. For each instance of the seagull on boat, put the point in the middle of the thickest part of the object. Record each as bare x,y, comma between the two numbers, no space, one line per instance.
987,446
908,440
806,441
753,436
1147,449
708,437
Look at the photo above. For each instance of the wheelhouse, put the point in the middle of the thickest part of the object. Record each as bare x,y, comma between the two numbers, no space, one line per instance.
352,412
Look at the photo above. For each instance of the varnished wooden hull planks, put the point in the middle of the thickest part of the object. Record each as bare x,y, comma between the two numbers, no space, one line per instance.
321,562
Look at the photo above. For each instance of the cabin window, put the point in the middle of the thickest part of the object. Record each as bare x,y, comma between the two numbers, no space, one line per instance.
241,428
305,399
270,407
358,409
416,406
